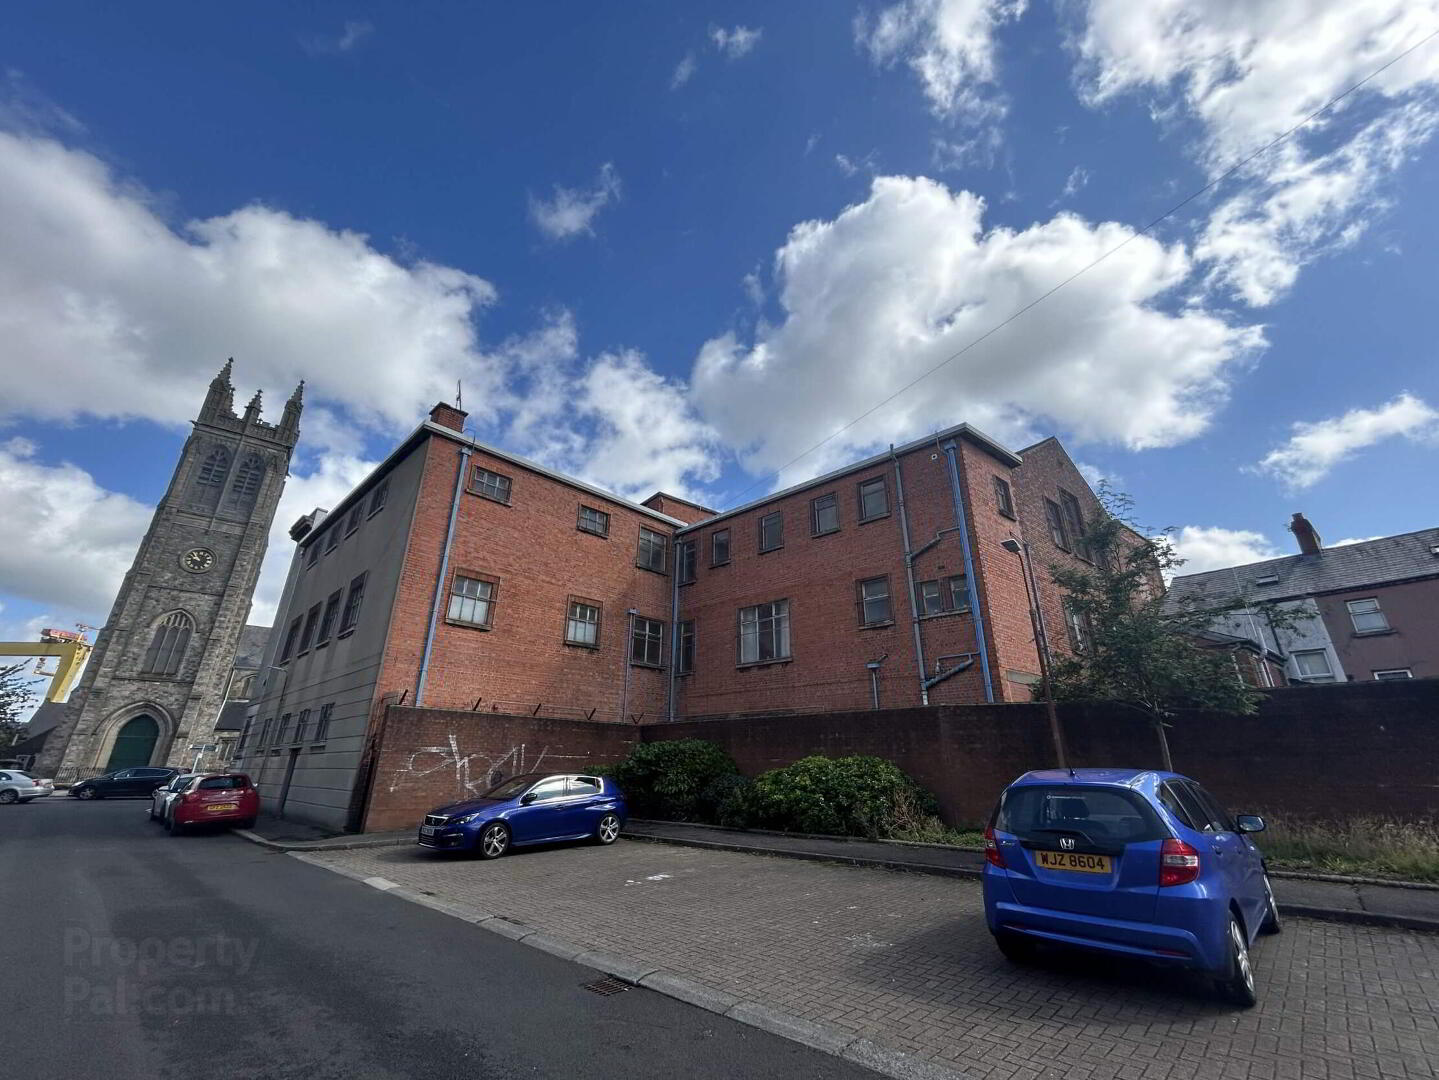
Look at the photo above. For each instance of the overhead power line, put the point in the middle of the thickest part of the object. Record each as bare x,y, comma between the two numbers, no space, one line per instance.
1042,297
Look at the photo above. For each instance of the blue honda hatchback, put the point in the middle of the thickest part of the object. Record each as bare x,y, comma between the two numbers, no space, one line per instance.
1143,864
533,808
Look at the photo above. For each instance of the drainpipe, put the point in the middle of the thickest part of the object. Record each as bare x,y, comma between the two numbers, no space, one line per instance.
909,579
970,587
873,666
674,628
627,653
439,596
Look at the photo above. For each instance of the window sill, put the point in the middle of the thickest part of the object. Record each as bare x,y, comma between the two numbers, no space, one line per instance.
766,551
373,512
322,645
487,498
592,532
691,581
877,517
651,667
652,570
469,625
1373,633
944,614
344,633
717,565
876,625
826,532
765,663
316,748
583,645
1007,513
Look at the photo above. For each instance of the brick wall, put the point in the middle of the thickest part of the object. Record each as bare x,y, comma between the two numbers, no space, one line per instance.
428,757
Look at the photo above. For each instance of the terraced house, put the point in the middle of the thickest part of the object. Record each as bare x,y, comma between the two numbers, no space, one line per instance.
461,577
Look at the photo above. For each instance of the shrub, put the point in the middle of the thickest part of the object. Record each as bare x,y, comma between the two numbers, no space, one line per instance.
726,801
670,779
849,796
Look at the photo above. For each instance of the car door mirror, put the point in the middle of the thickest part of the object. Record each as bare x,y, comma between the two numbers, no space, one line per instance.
528,798
1247,823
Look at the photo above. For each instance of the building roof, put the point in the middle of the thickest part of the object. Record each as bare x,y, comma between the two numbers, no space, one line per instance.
251,650
46,715
1335,569
232,716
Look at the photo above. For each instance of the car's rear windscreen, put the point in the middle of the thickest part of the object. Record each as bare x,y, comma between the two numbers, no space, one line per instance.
1113,815
219,783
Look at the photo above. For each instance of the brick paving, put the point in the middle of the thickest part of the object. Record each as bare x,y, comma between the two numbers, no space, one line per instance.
905,960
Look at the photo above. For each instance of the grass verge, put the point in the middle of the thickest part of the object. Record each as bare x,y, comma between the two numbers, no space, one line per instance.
1364,847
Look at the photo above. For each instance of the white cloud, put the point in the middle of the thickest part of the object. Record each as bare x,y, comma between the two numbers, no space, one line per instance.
1213,548
853,166
735,43
684,71
572,210
950,46
1316,448
1078,177
892,286
351,34
1353,540
1245,73
978,151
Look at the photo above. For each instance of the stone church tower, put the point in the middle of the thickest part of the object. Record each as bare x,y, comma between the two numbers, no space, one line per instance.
155,683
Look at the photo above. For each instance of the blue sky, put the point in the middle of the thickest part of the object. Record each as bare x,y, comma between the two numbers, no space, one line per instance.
677,245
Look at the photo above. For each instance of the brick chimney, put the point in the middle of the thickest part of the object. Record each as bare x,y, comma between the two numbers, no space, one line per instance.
1306,534
448,416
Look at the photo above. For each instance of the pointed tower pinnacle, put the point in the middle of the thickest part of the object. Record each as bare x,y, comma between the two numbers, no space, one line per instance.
220,400
252,410
290,422
223,379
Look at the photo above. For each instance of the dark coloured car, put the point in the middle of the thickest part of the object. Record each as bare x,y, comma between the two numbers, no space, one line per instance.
534,808
1129,863
123,782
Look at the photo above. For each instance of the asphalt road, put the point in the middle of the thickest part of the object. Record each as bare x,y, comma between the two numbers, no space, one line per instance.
130,953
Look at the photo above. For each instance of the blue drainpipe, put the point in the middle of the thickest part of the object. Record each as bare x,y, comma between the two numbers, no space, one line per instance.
465,452
969,584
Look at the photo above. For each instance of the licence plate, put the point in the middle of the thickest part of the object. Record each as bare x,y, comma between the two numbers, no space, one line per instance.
215,807
1072,860
429,830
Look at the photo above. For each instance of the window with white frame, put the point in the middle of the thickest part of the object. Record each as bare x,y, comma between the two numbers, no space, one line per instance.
647,640
1394,673
764,632
771,531
490,485
942,596
824,514
872,599
873,499
1313,665
471,600
582,624
594,521
1366,616
1076,623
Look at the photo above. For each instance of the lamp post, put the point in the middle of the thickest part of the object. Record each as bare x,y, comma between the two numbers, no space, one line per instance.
1036,619
628,653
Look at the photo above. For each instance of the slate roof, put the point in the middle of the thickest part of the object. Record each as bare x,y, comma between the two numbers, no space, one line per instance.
1335,569
251,649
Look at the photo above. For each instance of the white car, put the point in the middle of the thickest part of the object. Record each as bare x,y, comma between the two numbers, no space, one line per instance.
163,796
22,787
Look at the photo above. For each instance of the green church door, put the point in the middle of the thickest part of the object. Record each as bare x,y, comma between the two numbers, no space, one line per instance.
135,744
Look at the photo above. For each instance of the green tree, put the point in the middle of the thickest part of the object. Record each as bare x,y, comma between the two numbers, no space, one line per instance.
16,692
1140,648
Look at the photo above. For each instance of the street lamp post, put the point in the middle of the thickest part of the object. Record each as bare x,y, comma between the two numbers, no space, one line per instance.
1036,619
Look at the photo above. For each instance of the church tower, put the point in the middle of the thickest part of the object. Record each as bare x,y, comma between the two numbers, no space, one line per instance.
155,683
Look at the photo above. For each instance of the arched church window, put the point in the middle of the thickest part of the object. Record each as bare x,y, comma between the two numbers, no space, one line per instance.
248,478
210,480
167,646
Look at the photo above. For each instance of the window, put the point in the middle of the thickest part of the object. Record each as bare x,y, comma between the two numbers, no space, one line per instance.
771,531
378,499
302,725
322,725
764,632
594,521
1074,523
327,624
312,554
352,605
223,783
1313,665
685,657
685,561
1003,498
352,524
873,499
1036,812
210,479
548,790
943,595
584,785
246,486
1055,519
651,554
824,514
472,600
719,547
332,538
312,620
1076,622
1366,616
1169,799
873,601
167,644
490,485
647,638
582,625
1394,673
291,637
282,735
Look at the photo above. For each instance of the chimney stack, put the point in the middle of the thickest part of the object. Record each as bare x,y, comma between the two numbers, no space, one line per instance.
1307,535
448,416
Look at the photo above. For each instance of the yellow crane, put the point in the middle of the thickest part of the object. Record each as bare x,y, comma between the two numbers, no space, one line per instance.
67,648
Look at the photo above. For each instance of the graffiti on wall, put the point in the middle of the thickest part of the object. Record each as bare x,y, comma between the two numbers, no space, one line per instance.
476,771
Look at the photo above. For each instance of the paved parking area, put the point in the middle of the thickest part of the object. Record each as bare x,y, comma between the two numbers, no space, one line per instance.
904,959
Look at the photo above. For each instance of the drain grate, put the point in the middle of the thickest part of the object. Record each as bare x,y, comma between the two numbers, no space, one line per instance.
606,986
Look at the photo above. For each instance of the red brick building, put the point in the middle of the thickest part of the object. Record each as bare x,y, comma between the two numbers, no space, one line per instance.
461,577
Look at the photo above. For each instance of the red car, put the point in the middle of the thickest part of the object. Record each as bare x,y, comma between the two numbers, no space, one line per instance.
220,797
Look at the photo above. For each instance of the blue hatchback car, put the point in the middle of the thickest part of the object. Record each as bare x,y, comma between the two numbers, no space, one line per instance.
533,808
1121,861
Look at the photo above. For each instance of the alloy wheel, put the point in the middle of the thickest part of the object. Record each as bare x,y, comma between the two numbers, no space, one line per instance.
609,829
9,795
493,841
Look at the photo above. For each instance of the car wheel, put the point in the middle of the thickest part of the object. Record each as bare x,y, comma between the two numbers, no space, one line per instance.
494,841
172,826
9,795
1271,923
1237,987
608,830
86,793
1017,949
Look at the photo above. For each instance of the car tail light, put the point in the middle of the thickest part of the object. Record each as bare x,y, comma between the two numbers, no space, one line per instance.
991,848
1178,863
